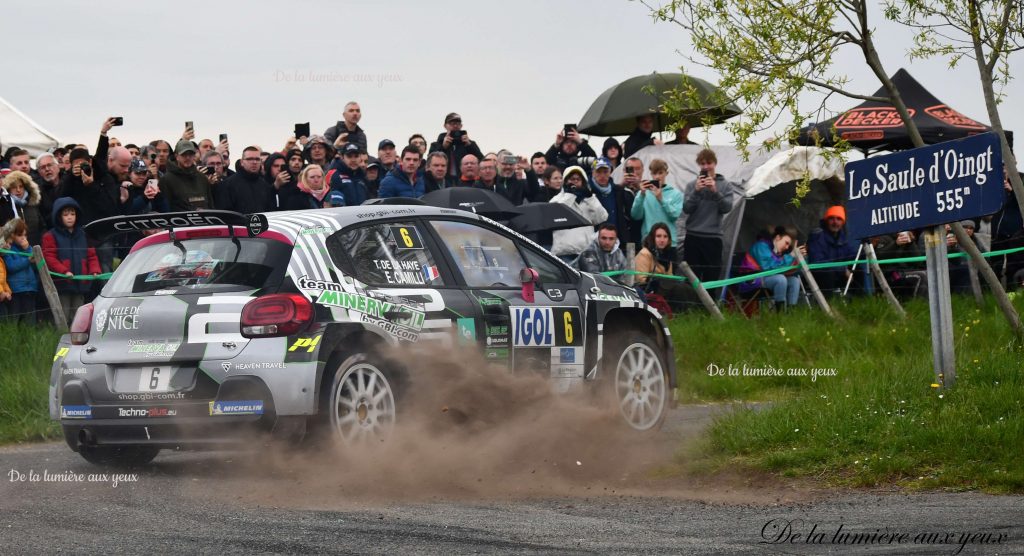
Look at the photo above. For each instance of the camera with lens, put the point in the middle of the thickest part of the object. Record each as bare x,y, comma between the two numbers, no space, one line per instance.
86,168
457,135
584,161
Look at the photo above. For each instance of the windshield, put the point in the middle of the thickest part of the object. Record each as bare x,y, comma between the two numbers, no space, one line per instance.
201,265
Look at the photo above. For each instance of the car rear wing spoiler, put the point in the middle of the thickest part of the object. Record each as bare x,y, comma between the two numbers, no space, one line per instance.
105,227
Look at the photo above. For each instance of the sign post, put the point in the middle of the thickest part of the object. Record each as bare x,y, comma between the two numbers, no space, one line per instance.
926,188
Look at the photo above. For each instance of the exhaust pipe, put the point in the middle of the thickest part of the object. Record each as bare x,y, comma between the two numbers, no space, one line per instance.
86,438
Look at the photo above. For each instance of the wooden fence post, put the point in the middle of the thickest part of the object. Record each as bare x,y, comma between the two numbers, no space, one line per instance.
52,297
705,298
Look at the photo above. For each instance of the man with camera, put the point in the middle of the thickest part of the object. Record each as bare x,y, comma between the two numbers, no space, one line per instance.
349,127
455,144
141,191
706,201
512,178
185,187
570,149
657,201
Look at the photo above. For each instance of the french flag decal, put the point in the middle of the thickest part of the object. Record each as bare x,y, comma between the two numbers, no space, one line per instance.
430,273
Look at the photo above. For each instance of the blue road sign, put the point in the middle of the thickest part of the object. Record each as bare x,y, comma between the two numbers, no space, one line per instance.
926,186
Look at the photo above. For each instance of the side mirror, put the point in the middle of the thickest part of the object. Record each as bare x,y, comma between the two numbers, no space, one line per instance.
528,277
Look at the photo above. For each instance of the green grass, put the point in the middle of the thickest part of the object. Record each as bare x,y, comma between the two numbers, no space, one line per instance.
878,421
26,353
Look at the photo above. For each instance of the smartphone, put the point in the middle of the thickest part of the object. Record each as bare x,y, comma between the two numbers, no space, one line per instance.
629,170
118,120
190,127
703,173
510,159
655,183
302,130
223,137
567,128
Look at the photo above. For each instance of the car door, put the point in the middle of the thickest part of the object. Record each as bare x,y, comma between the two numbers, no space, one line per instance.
545,335
396,259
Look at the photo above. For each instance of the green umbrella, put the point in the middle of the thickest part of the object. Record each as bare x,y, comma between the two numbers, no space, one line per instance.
615,111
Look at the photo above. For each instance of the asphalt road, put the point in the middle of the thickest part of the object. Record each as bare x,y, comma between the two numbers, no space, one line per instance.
255,502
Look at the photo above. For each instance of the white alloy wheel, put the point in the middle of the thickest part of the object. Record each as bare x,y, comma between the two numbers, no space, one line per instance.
363,405
640,387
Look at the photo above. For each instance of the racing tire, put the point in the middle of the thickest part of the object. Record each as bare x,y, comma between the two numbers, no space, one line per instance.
636,381
119,456
361,403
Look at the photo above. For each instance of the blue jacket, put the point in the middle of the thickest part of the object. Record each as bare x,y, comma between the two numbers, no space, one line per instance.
351,184
21,277
823,247
397,184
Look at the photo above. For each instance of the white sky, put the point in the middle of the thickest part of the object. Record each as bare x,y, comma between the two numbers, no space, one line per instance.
515,71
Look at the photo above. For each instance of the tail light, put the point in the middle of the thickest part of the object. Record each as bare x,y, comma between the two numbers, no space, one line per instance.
80,325
279,314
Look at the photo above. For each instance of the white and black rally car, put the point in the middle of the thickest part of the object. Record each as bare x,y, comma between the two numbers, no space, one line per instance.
219,325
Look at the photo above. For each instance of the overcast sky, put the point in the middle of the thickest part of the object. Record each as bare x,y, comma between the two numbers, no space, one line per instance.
515,71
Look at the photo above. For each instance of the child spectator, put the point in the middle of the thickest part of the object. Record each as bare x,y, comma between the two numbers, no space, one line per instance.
21,277
5,291
658,201
67,252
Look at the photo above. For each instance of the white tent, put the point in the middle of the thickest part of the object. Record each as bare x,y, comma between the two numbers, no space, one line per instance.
16,129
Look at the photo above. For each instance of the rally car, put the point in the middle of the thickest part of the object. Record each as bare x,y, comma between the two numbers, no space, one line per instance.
220,326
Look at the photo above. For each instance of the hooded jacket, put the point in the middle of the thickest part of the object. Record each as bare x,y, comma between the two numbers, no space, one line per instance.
277,200
28,209
246,193
556,157
21,276
397,184
68,250
705,208
648,209
573,241
186,189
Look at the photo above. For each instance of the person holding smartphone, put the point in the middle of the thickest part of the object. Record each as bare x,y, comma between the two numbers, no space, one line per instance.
658,201
707,200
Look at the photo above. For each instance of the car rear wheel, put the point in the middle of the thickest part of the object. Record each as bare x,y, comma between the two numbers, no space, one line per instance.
361,405
639,382
119,456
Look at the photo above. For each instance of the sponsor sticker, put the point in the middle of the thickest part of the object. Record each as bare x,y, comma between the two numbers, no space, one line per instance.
496,353
75,412
146,412
60,353
567,371
601,296
467,331
567,355
546,326
307,283
308,343
240,407
402,321
71,371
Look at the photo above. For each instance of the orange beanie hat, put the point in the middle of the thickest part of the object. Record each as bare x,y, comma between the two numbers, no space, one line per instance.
838,211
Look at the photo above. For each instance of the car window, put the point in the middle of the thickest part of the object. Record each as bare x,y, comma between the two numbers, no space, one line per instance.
388,254
201,265
548,270
485,258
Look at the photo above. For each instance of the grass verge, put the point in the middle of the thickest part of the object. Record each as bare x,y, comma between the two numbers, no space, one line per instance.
26,354
878,420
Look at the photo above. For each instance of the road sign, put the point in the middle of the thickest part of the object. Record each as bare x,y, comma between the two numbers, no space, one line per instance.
927,186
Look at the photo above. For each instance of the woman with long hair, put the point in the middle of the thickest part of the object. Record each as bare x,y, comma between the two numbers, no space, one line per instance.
769,254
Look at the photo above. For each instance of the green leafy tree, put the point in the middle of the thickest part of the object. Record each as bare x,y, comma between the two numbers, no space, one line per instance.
769,52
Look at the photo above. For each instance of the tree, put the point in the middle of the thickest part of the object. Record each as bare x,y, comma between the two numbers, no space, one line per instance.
768,52
986,31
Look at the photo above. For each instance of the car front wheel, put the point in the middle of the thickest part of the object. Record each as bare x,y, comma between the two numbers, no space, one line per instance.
639,382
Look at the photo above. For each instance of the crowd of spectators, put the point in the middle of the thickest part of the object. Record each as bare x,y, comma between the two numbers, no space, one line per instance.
69,187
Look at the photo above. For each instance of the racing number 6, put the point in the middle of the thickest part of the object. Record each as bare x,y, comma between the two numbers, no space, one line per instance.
154,378
567,321
405,237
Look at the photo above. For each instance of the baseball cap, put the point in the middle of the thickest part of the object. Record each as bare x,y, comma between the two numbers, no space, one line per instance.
138,166
385,143
602,162
452,117
184,146
352,148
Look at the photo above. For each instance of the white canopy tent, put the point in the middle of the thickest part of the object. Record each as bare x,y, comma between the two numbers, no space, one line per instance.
16,129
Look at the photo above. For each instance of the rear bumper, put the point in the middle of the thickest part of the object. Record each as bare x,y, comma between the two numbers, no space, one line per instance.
241,412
